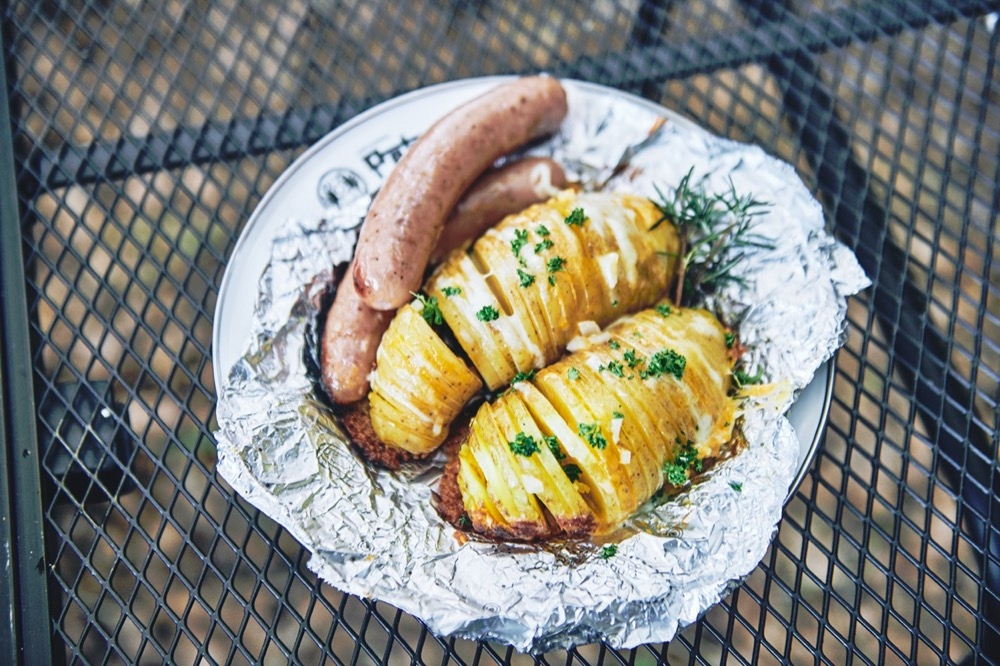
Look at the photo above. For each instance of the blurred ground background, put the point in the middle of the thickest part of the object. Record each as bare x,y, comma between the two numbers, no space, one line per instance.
124,276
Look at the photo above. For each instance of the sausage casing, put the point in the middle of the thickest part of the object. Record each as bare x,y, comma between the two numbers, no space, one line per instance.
405,219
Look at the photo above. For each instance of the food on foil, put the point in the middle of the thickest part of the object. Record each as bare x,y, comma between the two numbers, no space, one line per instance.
353,329
379,534
406,217
543,281
513,302
576,448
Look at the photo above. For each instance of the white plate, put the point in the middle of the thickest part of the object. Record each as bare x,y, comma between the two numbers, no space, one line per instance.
348,163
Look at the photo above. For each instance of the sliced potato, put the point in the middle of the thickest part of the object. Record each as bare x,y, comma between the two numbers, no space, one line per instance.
669,393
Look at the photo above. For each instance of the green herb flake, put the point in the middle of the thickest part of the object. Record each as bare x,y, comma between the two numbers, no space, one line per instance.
552,442
573,472
664,362
608,551
617,415
542,245
520,240
464,522
744,378
678,470
730,340
488,313
451,291
614,344
429,309
576,218
542,230
631,359
591,432
615,368
523,376
523,445
614,303
677,475
736,485
573,373
527,279
554,265
664,309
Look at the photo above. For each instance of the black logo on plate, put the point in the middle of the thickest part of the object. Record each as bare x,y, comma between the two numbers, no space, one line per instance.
340,187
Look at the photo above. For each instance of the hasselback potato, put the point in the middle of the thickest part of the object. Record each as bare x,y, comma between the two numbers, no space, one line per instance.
513,301
576,448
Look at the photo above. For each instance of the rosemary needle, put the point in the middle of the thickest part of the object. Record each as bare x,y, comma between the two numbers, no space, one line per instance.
714,230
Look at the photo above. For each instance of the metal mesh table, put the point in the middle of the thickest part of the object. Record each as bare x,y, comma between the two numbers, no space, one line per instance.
135,139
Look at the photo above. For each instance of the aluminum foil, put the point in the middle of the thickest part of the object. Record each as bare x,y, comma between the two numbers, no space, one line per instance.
376,534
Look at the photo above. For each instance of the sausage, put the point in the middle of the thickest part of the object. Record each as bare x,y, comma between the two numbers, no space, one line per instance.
353,330
350,339
497,194
405,219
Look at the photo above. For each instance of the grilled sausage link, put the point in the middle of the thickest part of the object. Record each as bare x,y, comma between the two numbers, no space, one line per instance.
405,220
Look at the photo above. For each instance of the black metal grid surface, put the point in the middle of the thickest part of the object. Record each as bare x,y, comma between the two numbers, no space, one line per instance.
143,134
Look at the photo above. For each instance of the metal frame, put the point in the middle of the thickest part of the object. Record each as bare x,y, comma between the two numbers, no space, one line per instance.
24,588
788,44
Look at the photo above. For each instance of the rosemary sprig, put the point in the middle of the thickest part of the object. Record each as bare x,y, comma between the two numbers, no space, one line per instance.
714,230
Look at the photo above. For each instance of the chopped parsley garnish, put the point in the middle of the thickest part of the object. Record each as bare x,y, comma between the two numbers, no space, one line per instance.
576,218
614,344
554,265
542,245
608,551
552,442
730,340
527,279
631,359
572,471
488,313
523,376
665,362
573,373
664,309
676,474
429,309
678,471
523,445
464,522
617,415
451,291
614,303
542,230
520,240
615,368
743,378
736,485
592,433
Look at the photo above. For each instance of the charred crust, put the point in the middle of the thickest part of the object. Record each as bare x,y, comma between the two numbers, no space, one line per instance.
449,495
358,424
525,531
578,526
